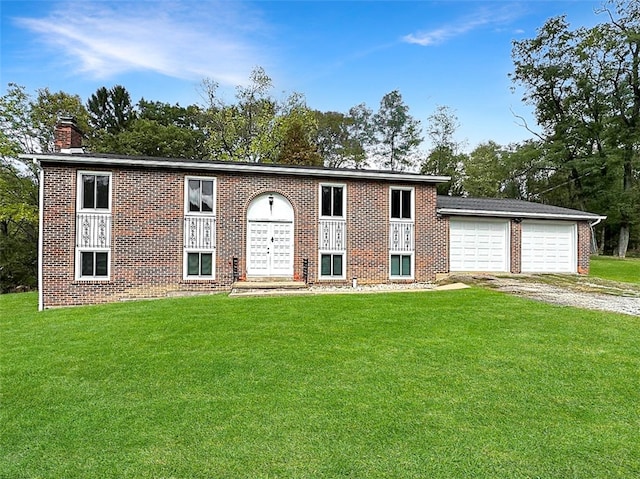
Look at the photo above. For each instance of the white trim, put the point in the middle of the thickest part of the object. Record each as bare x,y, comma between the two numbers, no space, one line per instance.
516,214
198,277
240,167
78,265
343,276
98,211
186,195
413,265
258,212
344,201
40,233
80,191
413,203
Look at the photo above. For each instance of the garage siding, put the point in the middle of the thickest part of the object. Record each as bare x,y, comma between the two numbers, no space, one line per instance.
479,245
549,247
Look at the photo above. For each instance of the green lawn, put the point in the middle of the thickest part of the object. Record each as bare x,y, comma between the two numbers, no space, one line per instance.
464,384
616,269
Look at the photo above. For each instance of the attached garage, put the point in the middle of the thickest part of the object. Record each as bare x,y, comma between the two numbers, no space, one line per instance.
508,235
549,247
478,244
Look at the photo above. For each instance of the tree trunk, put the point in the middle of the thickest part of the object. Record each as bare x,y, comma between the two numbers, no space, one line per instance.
623,243
602,238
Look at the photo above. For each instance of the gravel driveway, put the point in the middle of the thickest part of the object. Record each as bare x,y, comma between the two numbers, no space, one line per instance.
566,290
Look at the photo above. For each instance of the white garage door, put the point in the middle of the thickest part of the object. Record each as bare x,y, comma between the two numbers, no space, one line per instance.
549,247
478,245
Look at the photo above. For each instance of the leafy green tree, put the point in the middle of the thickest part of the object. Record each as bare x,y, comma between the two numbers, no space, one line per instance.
243,131
445,157
257,128
398,134
18,228
485,171
339,139
585,87
24,128
297,132
158,129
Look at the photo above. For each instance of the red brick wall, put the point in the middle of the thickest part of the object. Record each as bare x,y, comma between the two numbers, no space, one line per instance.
516,246
584,247
147,232
67,135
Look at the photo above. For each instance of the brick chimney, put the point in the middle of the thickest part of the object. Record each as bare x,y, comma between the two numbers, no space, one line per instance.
68,137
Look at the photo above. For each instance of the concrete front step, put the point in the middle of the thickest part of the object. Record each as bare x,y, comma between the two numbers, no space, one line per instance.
268,285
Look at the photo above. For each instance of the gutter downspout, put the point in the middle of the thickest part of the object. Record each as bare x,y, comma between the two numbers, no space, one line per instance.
40,231
594,241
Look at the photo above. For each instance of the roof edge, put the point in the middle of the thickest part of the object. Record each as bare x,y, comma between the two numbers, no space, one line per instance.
236,167
517,214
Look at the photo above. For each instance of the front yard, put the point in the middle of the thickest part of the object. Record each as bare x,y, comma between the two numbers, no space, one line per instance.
470,383
616,269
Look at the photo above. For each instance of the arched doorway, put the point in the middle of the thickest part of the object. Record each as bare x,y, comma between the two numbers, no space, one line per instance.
270,236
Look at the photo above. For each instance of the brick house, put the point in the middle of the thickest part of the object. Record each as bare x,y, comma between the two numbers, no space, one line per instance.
115,228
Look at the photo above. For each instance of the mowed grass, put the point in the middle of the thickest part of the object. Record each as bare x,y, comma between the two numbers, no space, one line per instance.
616,269
465,384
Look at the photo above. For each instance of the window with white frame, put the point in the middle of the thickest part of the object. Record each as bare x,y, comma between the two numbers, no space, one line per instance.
332,265
332,202
401,203
332,231
93,225
200,194
401,265
401,232
199,228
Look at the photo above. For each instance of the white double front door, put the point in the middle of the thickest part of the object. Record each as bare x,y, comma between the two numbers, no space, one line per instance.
270,237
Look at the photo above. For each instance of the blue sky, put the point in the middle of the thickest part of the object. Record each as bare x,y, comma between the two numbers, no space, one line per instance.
338,54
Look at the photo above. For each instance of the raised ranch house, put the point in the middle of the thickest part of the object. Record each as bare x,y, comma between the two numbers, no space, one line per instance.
116,228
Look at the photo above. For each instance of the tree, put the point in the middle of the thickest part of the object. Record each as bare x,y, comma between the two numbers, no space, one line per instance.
46,112
485,171
243,131
339,141
297,129
18,228
158,129
585,87
397,132
257,128
23,129
110,112
445,157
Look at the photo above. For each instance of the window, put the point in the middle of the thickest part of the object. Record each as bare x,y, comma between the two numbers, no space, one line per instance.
94,264
401,265
94,194
93,225
199,240
332,200
200,195
200,265
331,265
401,204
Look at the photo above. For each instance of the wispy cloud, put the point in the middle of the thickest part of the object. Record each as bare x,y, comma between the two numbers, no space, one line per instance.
479,19
189,40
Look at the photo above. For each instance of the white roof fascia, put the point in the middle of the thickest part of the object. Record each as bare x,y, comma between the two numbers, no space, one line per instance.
240,168
517,214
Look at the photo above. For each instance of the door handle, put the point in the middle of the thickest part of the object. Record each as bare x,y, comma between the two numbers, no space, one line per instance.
272,239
